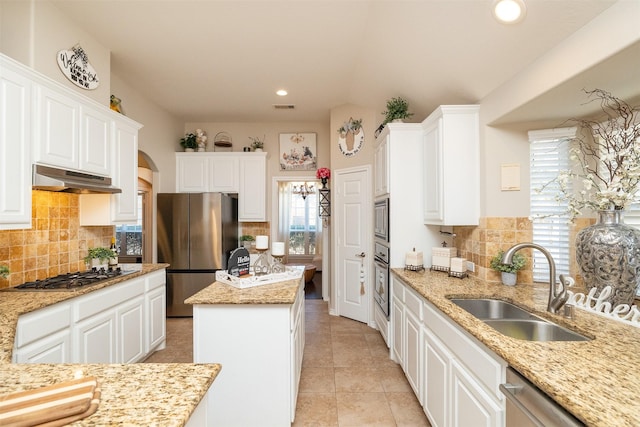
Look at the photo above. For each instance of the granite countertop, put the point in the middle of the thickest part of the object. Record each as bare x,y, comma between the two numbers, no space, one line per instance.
595,380
221,293
139,394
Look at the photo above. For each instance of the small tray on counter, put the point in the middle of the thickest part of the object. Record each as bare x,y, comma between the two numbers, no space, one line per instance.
250,281
50,406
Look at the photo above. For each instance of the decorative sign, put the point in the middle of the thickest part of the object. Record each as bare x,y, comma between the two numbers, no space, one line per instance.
351,137
75,65
599,305
239,262
298,151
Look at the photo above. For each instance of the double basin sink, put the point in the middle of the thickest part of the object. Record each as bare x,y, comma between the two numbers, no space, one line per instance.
516,322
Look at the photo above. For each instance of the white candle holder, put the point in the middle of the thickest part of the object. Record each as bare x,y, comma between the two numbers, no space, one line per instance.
261,265
278,266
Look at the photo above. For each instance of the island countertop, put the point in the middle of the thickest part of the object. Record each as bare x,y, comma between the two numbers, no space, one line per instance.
596,380
138,394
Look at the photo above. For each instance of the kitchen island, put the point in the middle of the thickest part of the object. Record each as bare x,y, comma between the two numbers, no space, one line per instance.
132,394
257,334
597,380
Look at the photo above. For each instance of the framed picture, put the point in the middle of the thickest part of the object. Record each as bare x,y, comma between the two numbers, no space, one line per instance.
298,151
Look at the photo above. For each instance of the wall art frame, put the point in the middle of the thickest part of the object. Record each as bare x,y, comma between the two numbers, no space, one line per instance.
298,151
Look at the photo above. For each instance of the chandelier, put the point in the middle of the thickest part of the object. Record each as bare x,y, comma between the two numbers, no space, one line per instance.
303,189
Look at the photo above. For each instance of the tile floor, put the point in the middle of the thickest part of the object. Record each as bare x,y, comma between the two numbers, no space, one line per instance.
347,377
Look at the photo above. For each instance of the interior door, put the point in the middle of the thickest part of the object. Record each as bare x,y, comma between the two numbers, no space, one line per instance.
353,218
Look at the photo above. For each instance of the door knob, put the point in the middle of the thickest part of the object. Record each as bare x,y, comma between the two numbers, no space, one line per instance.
361,255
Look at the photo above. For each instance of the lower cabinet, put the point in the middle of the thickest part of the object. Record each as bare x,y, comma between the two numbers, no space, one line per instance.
455,377
122,323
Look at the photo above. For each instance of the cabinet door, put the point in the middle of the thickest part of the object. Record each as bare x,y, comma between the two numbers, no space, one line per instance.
470,404
192,173
252,191
382,167
96,339
397,320
131,327
15,146
412,359
436,380
57,130
156,315
124,206
55,348
433,203
95,141
223,174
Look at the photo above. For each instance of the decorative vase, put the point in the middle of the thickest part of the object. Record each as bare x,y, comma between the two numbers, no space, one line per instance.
324,183
509,279
257,150
608,254
189,150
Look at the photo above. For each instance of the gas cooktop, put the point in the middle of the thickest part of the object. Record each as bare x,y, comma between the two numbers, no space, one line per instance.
71,281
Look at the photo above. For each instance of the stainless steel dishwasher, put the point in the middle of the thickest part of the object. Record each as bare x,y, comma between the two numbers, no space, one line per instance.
527,406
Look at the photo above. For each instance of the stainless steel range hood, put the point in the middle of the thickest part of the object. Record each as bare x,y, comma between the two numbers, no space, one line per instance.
53,179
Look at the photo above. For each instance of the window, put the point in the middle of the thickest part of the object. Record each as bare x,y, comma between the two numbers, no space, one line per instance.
132,240
303,223
549,154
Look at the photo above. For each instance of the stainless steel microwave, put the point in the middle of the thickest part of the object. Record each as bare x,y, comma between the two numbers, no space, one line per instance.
381,219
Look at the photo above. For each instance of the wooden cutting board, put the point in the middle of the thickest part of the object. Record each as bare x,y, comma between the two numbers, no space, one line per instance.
51,406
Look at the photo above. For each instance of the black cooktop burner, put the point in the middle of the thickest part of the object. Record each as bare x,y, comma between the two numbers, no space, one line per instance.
71,281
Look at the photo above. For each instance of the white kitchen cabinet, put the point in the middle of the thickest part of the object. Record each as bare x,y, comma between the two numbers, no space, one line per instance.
122,323
260,347
224,174
95,140
252,192
95,339
381,161
124,206
131,330
242,173
397,323
451,166
192,172
470,403
15,146
413,352
436,380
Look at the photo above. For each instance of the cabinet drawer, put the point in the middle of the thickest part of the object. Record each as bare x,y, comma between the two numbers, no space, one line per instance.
155,280
106,298
467,350
413,302
41,323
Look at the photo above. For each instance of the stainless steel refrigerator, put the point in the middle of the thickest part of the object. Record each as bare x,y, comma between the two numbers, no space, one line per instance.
196,234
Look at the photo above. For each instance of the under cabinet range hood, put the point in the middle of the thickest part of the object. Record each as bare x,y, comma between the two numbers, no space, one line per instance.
52,179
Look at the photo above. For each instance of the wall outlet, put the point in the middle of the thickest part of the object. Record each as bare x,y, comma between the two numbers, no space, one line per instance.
471,266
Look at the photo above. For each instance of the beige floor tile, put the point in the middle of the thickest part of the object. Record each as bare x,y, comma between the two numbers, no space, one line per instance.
407,410
364,409
394,380
352,357
317,380
316,410
358,380
316,358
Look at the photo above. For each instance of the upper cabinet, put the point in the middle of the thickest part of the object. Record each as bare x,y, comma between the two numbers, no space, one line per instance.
71,132
228,172
15,147
451,166
381,161
124,174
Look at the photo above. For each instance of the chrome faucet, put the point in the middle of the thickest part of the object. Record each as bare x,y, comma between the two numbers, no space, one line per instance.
557,297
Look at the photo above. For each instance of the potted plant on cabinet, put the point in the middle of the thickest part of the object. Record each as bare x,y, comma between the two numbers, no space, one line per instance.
189,142
256,143
99,257
246,241
397,109
509,272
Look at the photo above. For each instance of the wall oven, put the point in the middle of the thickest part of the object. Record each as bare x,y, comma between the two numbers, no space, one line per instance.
381,282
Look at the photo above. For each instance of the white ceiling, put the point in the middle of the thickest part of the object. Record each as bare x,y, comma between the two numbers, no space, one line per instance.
223,60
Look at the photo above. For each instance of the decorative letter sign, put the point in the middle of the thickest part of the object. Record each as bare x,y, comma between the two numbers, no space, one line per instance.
75,65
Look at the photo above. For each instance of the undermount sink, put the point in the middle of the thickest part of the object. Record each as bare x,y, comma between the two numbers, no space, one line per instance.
516,322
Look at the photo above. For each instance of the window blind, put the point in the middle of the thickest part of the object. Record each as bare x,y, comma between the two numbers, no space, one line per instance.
549,154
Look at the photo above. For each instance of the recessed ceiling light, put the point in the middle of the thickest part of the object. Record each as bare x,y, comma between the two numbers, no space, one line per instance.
281,92
509,11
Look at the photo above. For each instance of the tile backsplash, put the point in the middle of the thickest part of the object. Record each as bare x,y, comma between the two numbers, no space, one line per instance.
55,244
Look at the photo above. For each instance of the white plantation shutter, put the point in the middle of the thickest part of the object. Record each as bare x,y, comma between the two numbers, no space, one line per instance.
549,154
